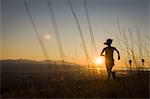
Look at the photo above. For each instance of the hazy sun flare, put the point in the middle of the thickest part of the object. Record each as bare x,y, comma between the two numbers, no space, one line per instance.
99,60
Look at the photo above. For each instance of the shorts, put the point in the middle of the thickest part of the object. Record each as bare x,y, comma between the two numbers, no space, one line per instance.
109,63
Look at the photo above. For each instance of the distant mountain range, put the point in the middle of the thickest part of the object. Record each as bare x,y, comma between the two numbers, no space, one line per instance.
26,61
24,65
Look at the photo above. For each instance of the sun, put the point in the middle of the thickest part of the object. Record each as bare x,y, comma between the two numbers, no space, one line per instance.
47,36
99,61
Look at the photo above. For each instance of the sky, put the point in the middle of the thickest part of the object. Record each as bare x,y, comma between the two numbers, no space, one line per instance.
19,40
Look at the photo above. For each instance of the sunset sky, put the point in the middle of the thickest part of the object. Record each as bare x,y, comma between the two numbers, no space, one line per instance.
20,42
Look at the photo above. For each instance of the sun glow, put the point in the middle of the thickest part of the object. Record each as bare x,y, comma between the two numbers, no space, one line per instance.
47,36
99,61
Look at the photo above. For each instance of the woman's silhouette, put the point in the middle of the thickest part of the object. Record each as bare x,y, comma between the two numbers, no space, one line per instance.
109,60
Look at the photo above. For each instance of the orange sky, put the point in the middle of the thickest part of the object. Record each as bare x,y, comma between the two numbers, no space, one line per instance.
19,39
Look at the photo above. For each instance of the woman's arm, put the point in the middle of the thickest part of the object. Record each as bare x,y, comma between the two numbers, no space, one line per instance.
102,52
118,53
